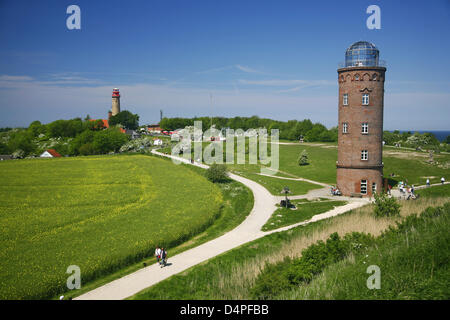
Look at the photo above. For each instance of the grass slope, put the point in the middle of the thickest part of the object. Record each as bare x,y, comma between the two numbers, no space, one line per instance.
413,261
100,213
232,274
435,191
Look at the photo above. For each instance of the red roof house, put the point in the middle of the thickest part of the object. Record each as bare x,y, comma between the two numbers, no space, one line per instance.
50,153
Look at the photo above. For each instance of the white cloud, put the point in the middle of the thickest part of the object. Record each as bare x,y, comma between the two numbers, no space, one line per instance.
281,82
6,77
23,100
247,69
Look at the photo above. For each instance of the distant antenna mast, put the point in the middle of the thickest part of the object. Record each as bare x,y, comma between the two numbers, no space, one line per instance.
210,96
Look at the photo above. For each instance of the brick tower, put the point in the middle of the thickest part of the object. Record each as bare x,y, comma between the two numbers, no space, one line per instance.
360,146
115,109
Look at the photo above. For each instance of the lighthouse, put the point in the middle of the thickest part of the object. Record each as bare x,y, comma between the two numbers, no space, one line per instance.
115,108
361,99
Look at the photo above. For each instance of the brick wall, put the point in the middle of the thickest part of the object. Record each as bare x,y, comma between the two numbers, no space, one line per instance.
356,81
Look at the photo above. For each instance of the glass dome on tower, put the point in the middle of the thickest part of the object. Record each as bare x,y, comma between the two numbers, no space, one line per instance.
362,54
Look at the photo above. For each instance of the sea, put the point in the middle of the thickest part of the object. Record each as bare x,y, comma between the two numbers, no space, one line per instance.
441,135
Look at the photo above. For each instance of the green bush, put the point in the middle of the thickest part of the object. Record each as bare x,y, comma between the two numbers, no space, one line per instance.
126,119
386,206
86,149
303,158
109,140
289,273
217,173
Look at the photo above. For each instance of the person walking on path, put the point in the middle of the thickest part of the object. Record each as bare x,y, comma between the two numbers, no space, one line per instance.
428,182
163,257
389,189
442,180
157,254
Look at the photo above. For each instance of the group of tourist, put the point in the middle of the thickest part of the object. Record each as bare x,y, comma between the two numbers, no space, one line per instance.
161,256
404,189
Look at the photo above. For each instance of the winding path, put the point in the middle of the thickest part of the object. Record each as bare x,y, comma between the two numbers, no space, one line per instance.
248,230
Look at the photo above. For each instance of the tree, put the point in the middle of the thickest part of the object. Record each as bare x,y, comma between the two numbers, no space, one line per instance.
126,119
65,128
109,140
314,134
86,149
36,128
303,158
22,140
386,206
217,173
86,137
4,148
96,125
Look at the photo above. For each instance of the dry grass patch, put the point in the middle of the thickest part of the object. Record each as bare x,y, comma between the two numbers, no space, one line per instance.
233,274
235,285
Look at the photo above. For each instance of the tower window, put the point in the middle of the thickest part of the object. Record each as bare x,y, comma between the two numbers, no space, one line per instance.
365,99
365,128
344,127
374,188
364,155
345,99
357,77
363,186
374,77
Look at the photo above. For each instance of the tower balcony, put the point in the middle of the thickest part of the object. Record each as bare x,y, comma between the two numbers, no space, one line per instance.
362,63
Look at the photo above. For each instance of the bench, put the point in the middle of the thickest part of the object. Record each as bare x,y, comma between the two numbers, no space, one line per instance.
356,195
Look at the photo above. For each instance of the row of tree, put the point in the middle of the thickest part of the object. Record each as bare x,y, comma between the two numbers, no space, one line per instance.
69,137
424,141
290,130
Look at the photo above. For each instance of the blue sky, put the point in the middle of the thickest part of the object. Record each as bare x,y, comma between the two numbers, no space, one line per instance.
274,59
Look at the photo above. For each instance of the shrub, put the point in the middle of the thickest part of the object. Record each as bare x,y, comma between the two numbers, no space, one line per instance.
126,119
303,158
109,140
86,149
386,206
289,273
217,173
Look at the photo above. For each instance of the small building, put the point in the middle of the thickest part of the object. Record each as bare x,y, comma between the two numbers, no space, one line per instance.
157,142
50,153
5,157
133,134
105,122
154,128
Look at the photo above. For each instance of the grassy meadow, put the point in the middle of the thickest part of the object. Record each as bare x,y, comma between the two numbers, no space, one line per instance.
233,274
306,209
100,213
413,260
405,164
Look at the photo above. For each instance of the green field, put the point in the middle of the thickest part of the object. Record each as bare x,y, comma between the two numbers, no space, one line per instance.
276,185
435,191
405,164
306,209
99,213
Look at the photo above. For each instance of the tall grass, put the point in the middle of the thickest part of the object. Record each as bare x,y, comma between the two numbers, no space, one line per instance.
413,259
231,275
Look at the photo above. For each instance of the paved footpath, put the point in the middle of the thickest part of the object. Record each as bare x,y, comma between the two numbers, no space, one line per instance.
248,230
